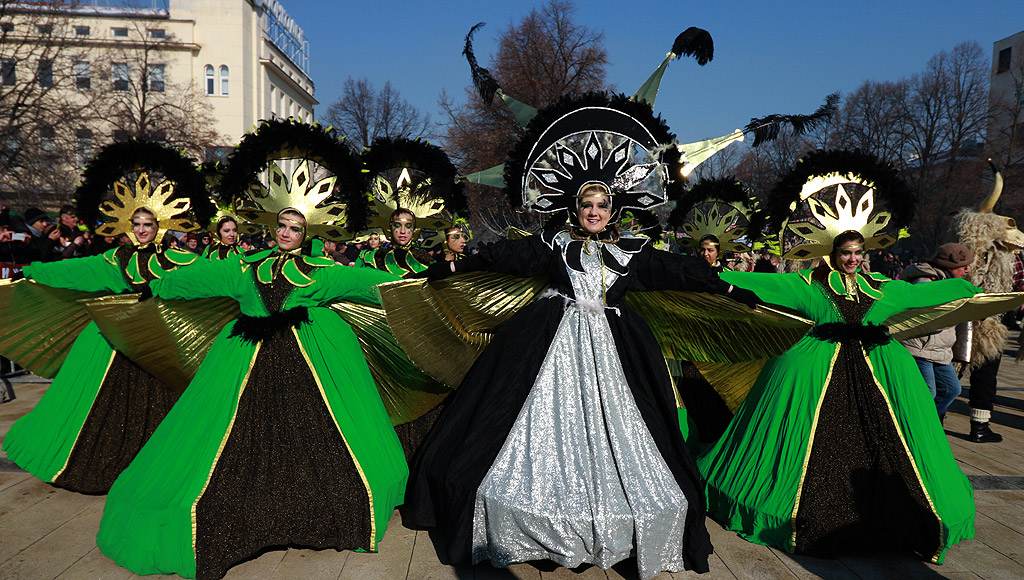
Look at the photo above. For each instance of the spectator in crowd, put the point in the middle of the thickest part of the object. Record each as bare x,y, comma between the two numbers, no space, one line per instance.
332,251
934,352
14,246
192,244
246,244
45,236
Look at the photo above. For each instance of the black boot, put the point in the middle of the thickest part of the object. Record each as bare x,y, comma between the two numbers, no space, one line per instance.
980,433
942,419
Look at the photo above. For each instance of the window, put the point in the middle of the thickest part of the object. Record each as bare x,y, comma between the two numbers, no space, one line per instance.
120,135
7,74
155,78
119,32
157,33
1004,60
83,78
44,73
44,29
223,80
83,146
209,79
47,139
81,31
119,74
6,27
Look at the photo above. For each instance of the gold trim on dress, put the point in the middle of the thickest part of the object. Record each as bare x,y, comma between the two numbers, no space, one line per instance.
810,446
79,434
355,460
220,448
910,456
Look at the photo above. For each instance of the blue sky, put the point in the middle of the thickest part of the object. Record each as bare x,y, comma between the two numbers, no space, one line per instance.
770,57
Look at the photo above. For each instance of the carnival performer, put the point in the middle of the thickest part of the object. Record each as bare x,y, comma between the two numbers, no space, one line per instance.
226,244
455,240
562,442
413,185
101,407
838,444
282,439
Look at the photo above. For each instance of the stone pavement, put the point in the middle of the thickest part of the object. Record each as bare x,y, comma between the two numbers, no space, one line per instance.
49,533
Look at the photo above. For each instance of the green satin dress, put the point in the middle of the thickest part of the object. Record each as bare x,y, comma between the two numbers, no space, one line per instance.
101,408
280,439
838,443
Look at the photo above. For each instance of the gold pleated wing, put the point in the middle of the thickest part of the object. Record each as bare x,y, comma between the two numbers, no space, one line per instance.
701,327
40,323
408,393
920,321
732,381
167,338
444,326
170,339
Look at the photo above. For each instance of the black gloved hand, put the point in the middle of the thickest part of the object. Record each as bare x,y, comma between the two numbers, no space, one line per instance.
19,275
146,293
744,296
438,270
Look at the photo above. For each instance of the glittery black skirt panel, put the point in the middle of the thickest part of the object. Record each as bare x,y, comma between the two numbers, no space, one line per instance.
412,434
860,482
129,406
285,476
473,426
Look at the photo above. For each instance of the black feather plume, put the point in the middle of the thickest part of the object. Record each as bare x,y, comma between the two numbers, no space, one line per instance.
767,128
482,78
695,42
118,159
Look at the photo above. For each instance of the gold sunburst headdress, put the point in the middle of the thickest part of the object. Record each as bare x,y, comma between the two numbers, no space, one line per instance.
325,186
125,177
830,192
414,175
718,207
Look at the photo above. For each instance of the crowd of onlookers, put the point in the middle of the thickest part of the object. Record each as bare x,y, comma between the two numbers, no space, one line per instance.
34,236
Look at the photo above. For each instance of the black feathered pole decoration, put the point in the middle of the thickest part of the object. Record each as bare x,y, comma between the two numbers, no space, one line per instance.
482,79
767,128
695,42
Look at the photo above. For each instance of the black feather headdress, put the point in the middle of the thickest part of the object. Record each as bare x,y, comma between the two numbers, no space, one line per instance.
118,160
889,208
291,139
432,181
591,119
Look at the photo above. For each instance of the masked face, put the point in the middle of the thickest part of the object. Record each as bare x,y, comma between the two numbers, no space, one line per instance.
228,233
291,231
709,252
594,212
402,227
144,227
849,256
456,241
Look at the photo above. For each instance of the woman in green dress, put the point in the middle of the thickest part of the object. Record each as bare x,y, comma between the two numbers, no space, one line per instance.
226,244
101,407
281,439
837,445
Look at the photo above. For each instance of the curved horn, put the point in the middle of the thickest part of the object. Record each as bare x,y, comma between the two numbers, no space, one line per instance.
997,188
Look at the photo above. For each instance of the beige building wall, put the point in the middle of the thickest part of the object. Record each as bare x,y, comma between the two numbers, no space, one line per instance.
1006,89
